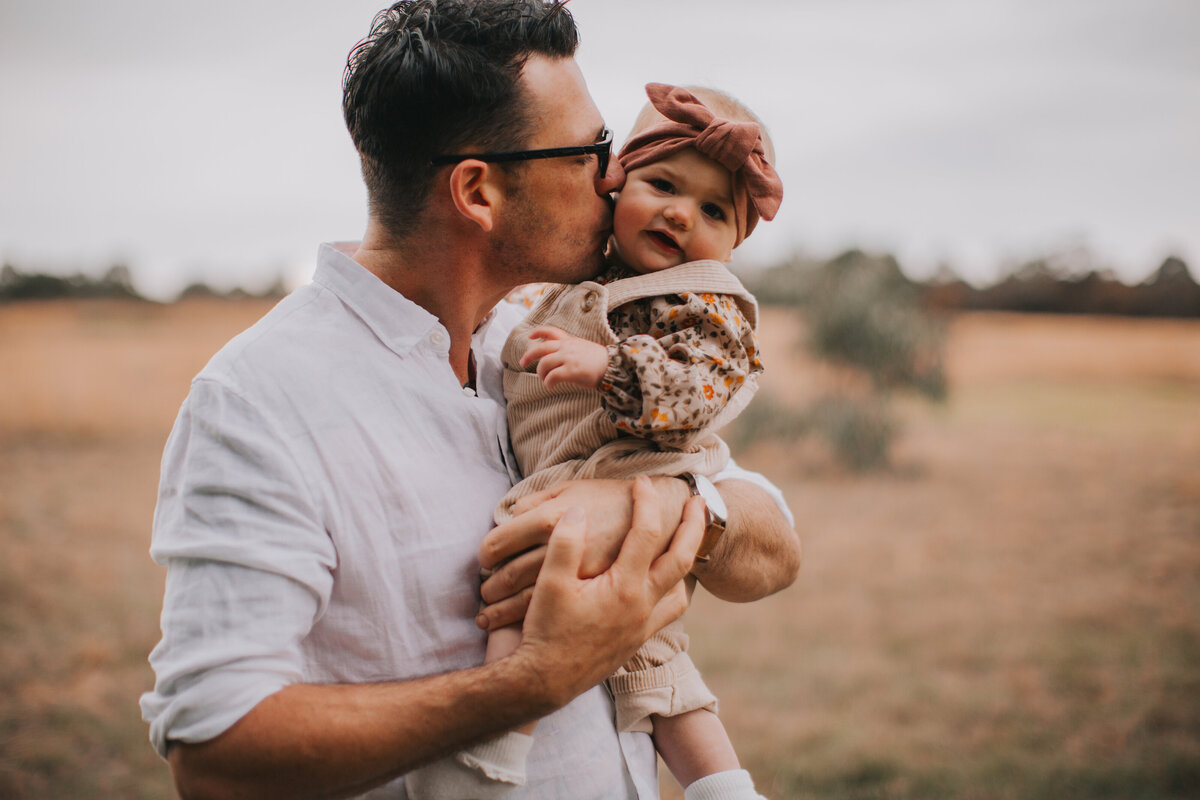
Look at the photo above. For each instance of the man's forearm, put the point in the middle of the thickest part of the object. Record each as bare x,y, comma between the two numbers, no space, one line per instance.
318,740
758,555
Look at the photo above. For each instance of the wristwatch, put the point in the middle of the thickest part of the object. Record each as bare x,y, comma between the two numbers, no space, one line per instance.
714,509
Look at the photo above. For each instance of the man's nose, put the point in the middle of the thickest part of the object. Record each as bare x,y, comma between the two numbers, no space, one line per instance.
612,180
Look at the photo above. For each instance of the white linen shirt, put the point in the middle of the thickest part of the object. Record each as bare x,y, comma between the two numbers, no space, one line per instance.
322,498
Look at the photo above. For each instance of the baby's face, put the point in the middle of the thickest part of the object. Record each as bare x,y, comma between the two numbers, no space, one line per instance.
672,211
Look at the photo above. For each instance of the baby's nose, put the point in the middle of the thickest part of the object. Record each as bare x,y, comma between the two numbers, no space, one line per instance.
679,214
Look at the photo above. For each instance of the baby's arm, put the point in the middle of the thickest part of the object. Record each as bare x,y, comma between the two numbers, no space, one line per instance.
669,385
666,386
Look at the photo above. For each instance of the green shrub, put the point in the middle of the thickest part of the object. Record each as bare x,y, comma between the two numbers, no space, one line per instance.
858,430
865,316
862,312
764,419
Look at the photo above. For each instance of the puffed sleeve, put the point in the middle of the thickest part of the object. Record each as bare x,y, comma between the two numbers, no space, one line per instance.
669,384
249,568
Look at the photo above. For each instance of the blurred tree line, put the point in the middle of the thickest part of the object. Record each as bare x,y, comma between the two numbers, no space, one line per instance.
1055,284
116,283
1038,286
1044,285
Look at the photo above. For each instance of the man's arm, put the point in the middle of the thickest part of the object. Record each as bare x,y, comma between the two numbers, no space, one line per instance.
310,740
758,555
337,740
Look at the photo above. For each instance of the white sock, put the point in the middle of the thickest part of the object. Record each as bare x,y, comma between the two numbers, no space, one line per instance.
482,772
734,784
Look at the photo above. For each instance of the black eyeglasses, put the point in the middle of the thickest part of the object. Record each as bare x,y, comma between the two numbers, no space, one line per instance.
602,149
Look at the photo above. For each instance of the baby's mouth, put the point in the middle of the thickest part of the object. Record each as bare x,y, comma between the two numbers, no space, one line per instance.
664,241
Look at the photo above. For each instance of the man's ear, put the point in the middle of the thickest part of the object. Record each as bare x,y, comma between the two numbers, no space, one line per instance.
477,190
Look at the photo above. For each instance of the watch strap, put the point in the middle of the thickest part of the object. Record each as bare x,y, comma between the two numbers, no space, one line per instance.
714,513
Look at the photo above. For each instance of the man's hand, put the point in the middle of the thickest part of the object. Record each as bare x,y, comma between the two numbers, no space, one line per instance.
580,629
563,358
516,549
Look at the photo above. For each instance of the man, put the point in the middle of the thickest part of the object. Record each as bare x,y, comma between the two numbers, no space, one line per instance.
334,468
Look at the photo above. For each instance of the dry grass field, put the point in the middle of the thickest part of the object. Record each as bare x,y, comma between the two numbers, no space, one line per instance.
1013,611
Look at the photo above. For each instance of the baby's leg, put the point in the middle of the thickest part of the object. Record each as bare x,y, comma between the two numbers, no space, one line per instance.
485,771
501,643
698,752
693,744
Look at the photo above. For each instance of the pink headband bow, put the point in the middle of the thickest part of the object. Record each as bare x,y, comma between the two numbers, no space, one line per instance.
737,146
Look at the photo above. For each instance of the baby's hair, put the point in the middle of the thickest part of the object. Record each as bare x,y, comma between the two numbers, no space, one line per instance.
720,103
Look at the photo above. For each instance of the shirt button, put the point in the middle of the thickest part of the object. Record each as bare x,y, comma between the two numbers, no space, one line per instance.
589,301
437,337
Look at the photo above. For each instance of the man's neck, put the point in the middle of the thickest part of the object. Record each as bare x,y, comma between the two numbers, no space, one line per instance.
447,281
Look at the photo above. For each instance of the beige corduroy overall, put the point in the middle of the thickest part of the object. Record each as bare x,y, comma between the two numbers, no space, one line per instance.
564,433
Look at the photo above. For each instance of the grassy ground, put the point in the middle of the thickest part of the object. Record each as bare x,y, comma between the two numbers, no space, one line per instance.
1012,612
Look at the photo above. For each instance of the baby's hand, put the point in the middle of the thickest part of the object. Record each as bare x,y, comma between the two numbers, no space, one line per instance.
563,358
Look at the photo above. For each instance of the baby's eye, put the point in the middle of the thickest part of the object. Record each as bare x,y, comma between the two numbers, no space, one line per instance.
713,211
662,184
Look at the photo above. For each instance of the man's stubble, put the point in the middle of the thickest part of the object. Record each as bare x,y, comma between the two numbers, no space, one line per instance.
536,245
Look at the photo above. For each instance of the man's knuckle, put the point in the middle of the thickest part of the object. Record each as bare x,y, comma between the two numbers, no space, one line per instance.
492,549
639,527
511,581
629,595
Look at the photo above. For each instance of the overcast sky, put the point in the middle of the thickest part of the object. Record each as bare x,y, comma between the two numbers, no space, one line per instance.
204,141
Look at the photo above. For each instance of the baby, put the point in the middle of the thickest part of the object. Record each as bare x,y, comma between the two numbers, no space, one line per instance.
629,374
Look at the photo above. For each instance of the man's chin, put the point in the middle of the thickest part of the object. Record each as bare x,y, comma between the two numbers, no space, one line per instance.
591,267
583,268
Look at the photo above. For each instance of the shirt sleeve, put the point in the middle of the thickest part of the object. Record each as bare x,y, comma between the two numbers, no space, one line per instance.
249,568
670,384
734,472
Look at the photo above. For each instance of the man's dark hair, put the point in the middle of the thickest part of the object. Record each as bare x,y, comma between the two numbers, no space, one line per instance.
442,76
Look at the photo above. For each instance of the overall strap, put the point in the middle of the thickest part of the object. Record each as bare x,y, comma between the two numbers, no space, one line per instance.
706,276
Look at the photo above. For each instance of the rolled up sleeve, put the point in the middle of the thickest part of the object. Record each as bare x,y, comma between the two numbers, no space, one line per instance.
733,472
249,568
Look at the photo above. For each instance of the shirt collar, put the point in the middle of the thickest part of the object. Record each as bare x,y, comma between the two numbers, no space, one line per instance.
397,321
